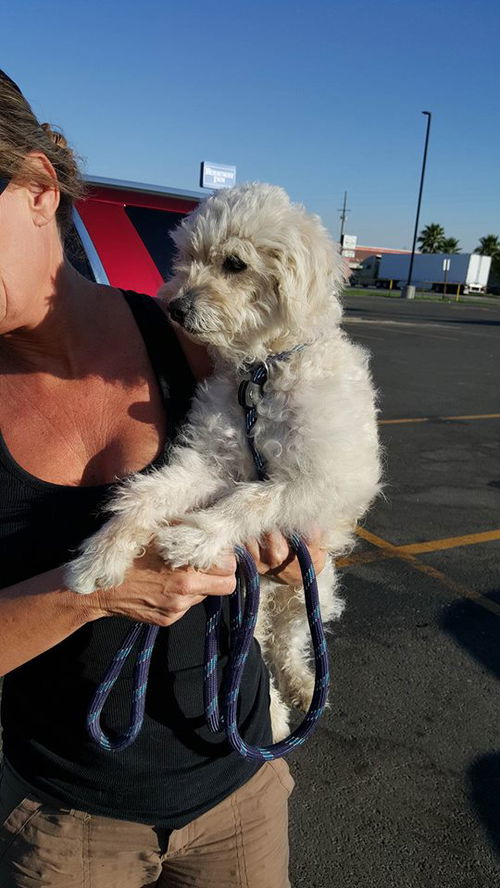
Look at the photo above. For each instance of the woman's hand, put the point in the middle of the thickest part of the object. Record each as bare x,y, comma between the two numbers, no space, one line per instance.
274,557
154,592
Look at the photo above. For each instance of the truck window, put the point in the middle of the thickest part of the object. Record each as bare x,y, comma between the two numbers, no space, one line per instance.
153,228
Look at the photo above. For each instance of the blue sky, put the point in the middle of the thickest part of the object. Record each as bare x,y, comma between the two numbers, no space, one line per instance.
318,96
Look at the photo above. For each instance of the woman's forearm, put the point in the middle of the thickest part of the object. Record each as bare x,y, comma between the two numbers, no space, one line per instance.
37,614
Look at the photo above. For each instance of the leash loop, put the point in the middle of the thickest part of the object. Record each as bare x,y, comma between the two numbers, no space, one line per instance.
241,639
146,635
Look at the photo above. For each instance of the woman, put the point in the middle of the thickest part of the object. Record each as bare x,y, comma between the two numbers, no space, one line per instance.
93,384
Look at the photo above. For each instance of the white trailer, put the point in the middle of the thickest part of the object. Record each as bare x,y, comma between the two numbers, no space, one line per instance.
453,272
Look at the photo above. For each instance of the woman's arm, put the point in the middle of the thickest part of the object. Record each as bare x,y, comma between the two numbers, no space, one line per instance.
35,615
40,612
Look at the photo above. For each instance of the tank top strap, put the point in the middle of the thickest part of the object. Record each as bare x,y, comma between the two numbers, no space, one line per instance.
175,378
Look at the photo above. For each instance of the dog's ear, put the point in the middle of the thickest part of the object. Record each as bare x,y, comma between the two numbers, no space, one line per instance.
310,273
179,236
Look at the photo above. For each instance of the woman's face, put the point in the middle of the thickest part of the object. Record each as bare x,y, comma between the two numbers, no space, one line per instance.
28,251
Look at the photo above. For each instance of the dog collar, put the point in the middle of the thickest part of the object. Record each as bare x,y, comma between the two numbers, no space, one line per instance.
250,392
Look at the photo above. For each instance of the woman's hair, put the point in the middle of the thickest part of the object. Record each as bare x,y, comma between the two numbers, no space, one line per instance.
21,134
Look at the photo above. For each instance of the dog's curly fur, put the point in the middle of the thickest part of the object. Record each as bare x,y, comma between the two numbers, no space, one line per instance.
255,275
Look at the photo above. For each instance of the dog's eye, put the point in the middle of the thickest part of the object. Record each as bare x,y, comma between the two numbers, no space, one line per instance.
234,263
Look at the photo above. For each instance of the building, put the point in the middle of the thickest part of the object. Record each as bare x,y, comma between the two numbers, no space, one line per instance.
355,253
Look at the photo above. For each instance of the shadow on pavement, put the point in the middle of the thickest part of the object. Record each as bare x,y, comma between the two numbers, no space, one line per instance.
483,785
478,630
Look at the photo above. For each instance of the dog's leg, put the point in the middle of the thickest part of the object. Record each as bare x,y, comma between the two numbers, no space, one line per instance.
278,709
288,651
141,504
251,510
279,713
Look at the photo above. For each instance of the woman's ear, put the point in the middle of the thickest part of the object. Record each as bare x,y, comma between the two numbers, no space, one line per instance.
42,188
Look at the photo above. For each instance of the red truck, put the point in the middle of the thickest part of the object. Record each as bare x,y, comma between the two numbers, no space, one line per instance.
121,232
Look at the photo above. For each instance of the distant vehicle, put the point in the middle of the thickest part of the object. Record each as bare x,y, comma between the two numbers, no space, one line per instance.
468,272
121,232
367,273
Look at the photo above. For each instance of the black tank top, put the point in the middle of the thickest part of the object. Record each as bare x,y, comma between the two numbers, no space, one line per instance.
176,769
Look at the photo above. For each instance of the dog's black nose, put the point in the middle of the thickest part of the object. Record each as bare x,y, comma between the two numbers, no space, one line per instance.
176,311
180,307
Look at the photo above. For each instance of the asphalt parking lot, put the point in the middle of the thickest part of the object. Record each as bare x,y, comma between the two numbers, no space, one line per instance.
400,786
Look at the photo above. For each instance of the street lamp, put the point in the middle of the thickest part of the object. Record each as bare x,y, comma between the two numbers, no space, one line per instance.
408,292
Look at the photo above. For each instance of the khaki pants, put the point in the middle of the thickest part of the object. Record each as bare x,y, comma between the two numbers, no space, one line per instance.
242,841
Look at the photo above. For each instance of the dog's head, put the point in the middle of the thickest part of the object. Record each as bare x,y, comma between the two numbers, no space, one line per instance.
254,273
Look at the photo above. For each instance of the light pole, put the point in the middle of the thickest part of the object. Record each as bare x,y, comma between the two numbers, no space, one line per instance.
408,292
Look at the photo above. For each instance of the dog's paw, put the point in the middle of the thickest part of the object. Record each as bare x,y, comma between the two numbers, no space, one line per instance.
302,696
184,544
87,572
103,561
298,688
280,715
105,557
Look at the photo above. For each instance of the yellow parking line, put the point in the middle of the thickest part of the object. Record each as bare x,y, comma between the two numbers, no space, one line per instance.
440,418
400,421
451,542
387,550
364,558
406,553
375,540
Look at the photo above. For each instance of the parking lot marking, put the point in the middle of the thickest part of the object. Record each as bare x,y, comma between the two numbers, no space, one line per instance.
440,418
471,539
388,550
375,540
389,322
406,553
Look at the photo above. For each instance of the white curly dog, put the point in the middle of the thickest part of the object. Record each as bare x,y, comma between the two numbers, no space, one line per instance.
255,277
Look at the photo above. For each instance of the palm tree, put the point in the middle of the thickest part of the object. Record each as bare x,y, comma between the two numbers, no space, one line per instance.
431,238
489,245
450,245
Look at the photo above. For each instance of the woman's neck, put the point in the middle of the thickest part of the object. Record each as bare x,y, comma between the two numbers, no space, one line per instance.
55,333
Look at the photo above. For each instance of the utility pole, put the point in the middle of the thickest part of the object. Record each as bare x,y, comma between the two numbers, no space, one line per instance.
408,292
343,217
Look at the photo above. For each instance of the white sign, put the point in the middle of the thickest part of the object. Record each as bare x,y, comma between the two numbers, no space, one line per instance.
217,175
349,254
446,264
349,241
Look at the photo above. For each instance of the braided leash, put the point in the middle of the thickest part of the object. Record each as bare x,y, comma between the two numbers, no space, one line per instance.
242,629
147,636
211,655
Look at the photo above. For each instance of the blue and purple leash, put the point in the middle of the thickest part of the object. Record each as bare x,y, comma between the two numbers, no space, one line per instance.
250,393
221,706
223,716
146,634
